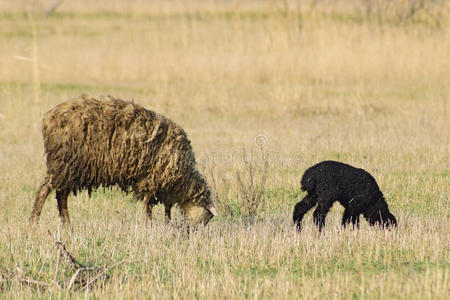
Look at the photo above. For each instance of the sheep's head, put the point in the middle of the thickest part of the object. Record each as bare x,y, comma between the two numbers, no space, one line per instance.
201,210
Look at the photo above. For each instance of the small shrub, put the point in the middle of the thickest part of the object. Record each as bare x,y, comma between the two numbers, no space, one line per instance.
252,180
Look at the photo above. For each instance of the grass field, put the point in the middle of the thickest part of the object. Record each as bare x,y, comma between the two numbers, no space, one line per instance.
273,86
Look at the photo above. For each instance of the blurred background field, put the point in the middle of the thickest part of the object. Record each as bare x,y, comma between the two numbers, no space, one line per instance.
264,89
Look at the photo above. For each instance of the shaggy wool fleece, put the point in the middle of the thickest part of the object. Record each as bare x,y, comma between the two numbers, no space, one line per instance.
91,142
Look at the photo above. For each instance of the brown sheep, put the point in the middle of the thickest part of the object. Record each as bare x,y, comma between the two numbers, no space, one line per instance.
93,142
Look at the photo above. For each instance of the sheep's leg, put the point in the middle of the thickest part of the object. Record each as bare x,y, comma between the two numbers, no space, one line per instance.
321,212
148,209
168,208
302,207
61,197
41,195
149,203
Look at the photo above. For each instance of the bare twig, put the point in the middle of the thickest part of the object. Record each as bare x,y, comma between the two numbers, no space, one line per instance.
83,276
69,258
33,282
17,275
78,273
107,269
52,8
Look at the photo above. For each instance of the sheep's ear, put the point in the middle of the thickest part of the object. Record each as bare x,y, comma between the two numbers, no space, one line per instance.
212,209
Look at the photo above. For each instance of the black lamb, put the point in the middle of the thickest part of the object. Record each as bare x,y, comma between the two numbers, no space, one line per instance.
330,181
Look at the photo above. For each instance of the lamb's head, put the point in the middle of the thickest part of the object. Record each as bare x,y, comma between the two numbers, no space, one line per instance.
199,207
383,218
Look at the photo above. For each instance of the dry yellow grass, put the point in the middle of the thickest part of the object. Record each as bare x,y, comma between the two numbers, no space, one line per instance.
322,83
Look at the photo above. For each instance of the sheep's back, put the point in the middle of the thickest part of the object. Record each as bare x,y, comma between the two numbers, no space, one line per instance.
341,178
91,143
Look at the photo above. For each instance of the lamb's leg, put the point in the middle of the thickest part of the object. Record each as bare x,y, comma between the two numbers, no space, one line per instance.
168,208
61,197
302,207
355,221
348,217
41,195
321,212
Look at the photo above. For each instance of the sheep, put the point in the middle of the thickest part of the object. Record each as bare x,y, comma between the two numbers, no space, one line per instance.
330,181
91,142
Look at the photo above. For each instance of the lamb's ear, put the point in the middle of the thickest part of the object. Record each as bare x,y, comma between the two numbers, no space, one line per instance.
212,209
